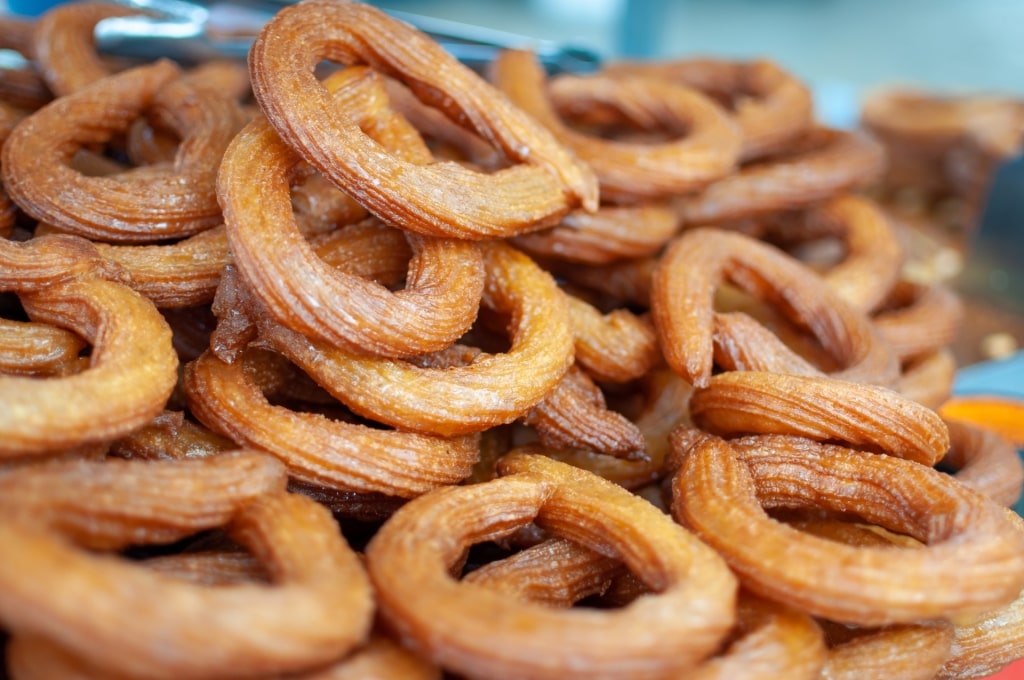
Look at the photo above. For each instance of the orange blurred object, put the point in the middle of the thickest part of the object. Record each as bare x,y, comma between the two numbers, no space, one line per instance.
1002,414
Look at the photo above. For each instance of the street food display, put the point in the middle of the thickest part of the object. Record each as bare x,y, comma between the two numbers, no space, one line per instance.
386,367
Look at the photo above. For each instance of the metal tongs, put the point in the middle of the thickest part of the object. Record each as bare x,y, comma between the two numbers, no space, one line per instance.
197,31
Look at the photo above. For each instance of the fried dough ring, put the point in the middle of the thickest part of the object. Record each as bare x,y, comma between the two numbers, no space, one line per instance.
64,45
28,348
614,232
205,119
441,199
555,572
928,379
682,305
743,344
152,140
985,645
369,249
666,407
378,659
227,399
154,203
971,562
447,621
871,266
945,138
628,281
315,576
984,461
30,657
320,206
772,107
169,436
859,414
575,415
445,280
446,138
615,347
919,319
187,273
16,34
830,163
28,266
456,399
9,119
822,409
906,652
772,641
107,505
21,88
903,651
629,172
132,371
183,274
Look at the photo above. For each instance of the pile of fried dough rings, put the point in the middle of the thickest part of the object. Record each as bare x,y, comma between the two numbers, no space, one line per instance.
357,363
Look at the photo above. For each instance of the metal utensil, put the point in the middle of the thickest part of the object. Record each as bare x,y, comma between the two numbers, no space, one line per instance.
194,31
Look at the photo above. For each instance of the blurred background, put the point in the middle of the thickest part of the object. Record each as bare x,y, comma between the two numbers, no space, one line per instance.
971,205
843,48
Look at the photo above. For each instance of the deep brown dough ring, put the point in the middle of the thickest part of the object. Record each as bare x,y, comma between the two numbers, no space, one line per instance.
446,277
209,94
441,199
481,633
973,560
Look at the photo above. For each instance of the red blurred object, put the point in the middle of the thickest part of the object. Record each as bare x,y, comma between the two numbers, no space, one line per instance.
1015,671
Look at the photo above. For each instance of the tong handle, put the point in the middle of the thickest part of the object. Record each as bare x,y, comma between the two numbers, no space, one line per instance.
196,31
